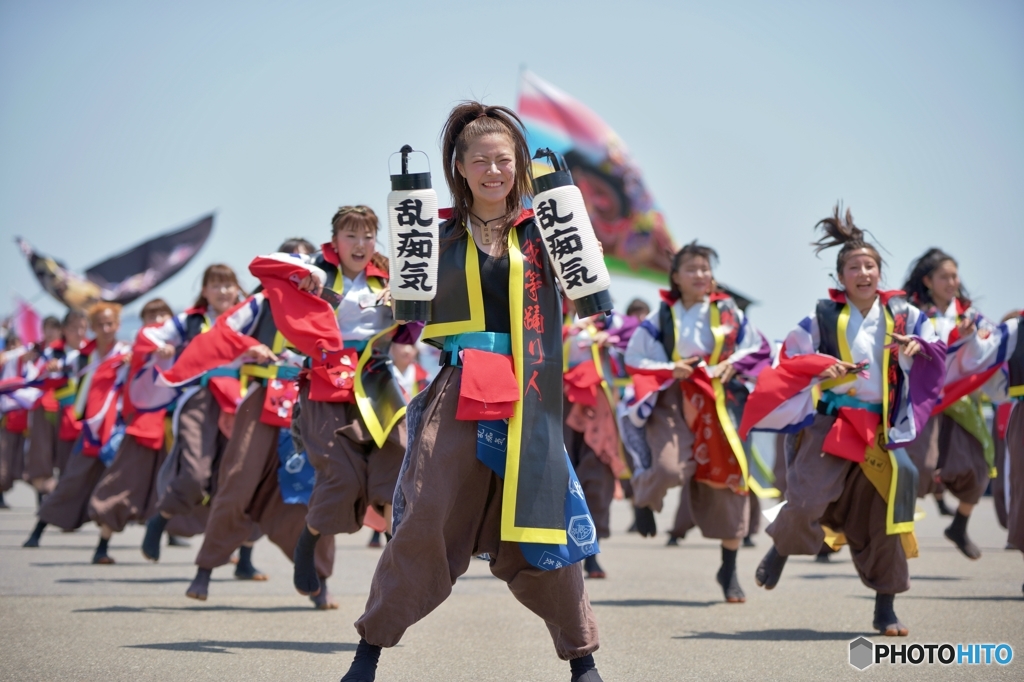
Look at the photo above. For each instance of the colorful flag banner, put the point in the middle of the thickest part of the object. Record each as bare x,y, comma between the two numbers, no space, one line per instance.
626,219
124,277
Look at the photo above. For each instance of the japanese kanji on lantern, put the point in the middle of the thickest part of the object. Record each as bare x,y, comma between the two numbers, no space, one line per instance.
413,231
569,238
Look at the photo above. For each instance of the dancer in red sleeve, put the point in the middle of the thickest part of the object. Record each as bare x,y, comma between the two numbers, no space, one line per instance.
692,361
101,370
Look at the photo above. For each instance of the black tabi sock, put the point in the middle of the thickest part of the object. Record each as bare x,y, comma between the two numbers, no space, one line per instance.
305,578
729,558
245,560
37,532
102,547
2,503
387,536
959,525
581,666
154,532
364,665
884,612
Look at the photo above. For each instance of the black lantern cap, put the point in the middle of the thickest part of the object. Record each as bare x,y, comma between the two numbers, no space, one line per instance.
412,310
560,178
407,180
592,304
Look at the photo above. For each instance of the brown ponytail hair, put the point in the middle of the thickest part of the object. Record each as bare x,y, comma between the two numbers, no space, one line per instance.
468,122
840,231
218,272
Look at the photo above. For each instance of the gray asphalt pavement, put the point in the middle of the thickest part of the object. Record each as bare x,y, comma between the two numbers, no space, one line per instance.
660,612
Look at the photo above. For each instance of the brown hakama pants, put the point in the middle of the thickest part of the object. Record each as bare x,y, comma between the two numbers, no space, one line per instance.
12,458
720,513
128,490
248,494
596,479
352,473
452,513
67,507
962,466
826,489
947,450
41,458
924,453
1015,448
195,458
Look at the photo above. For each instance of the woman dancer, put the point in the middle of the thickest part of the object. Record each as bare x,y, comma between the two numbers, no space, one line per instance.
353,431
956,445
43,424
450,506
127,491
591,432
247,484
879,365
202,428
689,361
101,369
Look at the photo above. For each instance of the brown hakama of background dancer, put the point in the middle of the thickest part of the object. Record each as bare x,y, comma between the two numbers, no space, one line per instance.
127,490
205,409
247,485
883,366
102,367
681,403
591,428
955,451
353,430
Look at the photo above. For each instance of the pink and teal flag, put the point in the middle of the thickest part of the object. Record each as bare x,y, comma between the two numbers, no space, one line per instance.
625,217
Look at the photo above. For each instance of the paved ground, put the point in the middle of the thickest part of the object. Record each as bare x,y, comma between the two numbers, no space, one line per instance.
660,614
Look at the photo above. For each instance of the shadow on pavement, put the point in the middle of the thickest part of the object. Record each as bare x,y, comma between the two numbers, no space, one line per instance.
1000,597
59,564
172,609
215,647
787,635
653,602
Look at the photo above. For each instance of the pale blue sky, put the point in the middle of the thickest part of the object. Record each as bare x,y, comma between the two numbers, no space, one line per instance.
749,120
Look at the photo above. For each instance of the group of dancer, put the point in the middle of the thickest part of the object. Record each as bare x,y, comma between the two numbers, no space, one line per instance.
298,412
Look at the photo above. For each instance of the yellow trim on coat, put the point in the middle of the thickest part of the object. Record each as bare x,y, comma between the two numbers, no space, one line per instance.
476,322
844,350
509,531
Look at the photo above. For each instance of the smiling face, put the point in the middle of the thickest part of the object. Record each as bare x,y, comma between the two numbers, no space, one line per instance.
943,283
355,244
694,278
221,294
859,277
489,167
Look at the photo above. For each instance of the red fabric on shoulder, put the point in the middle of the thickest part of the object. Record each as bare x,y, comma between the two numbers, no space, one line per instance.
776,385
965,386
489,389
1003,418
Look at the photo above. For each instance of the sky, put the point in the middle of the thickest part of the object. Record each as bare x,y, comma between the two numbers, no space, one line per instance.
750,120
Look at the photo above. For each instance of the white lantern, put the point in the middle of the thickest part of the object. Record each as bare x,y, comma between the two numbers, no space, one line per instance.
569,238
413,230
